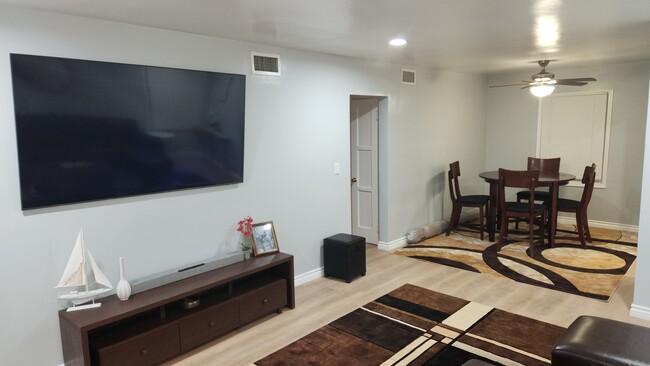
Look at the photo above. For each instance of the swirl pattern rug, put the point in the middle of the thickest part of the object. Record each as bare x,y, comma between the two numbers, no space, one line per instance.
594,272
415,326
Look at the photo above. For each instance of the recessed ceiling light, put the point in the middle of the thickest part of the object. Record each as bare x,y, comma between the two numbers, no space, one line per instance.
397,42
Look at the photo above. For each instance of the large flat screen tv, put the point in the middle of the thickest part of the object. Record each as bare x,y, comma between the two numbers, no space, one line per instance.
89,130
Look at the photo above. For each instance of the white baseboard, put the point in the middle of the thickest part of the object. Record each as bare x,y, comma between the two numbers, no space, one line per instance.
392,245
641,312
601,224
303,278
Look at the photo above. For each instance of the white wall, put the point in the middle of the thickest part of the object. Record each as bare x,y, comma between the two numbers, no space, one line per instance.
512,133
296,128
421,149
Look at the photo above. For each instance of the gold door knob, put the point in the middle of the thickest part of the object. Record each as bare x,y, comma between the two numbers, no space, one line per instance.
354,180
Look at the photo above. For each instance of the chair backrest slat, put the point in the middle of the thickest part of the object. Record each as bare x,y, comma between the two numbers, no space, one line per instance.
588,179
519,178
454,186
550,165
528,179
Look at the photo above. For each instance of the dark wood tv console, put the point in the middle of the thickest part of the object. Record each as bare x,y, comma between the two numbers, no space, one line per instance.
153,326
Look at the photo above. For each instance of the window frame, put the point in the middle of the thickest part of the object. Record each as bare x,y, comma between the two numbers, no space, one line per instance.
602,165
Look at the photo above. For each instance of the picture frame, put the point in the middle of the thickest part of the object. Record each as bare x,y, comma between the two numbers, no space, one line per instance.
264,239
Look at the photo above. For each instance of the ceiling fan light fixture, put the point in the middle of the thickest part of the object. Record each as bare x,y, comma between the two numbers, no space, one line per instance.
543,82
541,90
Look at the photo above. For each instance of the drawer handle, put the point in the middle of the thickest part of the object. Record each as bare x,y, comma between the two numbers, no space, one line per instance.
211,323
144,351
265,301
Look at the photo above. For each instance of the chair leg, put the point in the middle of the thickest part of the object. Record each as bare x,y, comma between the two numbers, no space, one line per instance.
581,229
517,219
480,222
503,232
585,222
542,227
453,219
531,230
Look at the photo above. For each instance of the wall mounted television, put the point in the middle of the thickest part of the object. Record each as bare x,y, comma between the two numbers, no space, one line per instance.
90,130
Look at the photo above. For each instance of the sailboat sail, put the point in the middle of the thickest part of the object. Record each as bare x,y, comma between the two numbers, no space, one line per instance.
75,274
100,277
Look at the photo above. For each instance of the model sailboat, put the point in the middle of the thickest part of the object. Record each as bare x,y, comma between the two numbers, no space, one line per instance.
82,270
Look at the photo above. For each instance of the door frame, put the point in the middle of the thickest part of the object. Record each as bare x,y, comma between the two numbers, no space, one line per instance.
381,166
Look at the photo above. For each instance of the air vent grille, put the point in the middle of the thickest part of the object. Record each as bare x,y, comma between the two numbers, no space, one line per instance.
408,76
265,64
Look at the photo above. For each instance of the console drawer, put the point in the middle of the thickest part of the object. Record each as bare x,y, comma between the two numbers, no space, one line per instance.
263,300
149,348
209,324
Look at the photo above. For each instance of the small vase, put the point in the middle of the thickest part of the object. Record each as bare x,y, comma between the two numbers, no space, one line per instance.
246,243
123,288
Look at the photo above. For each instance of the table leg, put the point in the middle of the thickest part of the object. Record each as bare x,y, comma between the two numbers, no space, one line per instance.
492,211
555,189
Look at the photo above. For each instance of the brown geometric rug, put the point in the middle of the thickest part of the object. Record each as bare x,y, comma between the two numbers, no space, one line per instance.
594,272
415,326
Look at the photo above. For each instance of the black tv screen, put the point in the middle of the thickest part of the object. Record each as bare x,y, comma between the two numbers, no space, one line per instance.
89,130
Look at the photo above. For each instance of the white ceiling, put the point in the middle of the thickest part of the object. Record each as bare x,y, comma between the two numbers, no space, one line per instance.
483,36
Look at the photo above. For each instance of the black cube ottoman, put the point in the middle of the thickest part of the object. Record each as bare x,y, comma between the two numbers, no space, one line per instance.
595,341
345,256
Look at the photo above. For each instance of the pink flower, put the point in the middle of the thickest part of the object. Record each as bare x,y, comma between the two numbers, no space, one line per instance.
245,226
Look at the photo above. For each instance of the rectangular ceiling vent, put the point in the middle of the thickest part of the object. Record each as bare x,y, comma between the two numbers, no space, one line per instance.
408,76
265,64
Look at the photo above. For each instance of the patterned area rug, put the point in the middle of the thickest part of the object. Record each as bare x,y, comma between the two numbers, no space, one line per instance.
594,272
415,326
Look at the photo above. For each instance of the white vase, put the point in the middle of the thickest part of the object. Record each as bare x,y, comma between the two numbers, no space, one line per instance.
123,288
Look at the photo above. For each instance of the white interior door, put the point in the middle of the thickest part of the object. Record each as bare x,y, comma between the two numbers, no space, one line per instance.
364,121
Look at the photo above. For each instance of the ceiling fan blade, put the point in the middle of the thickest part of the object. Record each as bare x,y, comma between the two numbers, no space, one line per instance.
498,86
578,79
526,87
570,82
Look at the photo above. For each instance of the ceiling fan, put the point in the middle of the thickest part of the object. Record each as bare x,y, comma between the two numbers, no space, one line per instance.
544,82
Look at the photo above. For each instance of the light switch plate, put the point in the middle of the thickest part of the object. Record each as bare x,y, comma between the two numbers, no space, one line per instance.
337,168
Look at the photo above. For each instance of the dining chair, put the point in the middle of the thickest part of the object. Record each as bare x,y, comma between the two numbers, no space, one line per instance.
530,210
459,201
580,207
549,165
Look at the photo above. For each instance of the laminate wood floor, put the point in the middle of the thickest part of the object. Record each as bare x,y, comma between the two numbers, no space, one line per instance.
323,300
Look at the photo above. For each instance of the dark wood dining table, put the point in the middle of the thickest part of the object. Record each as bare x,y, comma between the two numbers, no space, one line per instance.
552,180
